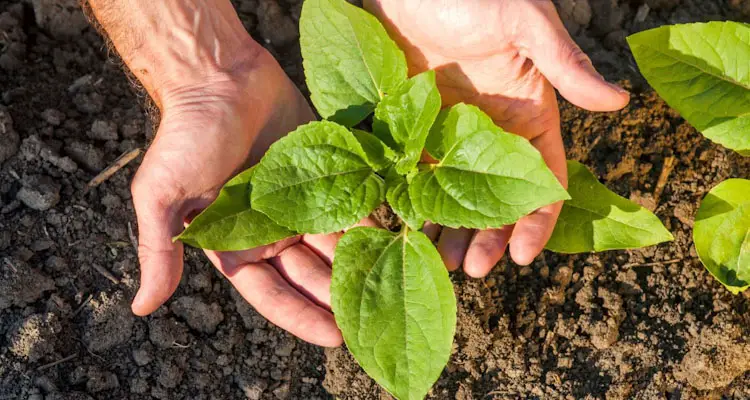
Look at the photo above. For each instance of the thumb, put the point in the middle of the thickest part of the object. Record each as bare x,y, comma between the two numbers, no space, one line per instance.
160,259
547,43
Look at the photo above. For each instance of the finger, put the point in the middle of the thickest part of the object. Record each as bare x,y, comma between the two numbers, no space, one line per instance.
485,250
452,246
308,274
160,259
273,297
431,230
532,232
229,260
564,64
324,245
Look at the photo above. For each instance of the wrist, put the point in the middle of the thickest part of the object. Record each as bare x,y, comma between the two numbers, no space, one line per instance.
174,45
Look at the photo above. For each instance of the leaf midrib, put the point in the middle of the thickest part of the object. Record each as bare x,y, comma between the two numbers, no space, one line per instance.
361,52
366,168
679,60
571,205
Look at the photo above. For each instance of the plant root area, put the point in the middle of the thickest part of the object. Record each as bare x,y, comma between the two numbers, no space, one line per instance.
641,324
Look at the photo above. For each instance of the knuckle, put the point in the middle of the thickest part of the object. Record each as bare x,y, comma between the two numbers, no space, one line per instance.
575,55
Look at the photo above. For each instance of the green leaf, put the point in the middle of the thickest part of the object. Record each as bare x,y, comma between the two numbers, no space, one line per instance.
486,178
597,219
722,233
408,113
394,303
316,180
702,71
379,156
452,124
398,198
350,62
230,224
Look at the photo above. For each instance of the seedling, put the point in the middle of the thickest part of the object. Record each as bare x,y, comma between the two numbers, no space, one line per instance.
390,291
701,70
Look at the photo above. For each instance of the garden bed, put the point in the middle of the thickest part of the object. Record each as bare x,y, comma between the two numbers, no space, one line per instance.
644,324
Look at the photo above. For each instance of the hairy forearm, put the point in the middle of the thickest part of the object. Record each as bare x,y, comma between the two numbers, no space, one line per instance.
171,45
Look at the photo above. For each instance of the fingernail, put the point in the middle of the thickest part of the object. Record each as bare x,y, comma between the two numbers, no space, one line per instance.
619,89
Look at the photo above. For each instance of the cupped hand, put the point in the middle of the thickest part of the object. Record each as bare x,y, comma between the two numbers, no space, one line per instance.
506,57
208,133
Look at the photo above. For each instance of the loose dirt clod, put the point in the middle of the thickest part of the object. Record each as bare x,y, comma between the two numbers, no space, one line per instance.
198,314
34,337
39,192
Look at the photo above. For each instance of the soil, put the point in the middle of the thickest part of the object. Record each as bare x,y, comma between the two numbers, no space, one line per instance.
641,324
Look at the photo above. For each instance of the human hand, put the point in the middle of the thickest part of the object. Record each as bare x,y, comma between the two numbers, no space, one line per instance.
208,134
506,57
223,101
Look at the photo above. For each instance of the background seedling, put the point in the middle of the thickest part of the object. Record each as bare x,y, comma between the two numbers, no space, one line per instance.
701,70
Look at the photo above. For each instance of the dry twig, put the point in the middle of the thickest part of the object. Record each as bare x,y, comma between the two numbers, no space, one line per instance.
80,308
120,162
655,263
666,170
60,361
106,273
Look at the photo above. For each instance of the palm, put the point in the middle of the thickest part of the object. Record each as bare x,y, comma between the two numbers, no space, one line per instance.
503,56
201,143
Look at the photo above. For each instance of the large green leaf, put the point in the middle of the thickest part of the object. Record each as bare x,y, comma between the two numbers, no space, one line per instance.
597,219
398,198
350,62
395,306
404,117
230,224
452,124
316,180
486,178
703,71
722,233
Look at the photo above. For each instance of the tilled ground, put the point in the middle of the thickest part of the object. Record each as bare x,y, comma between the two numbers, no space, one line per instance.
645,324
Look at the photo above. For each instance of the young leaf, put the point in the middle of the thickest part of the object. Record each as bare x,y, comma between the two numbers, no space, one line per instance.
485,178
394,303
316,180
722,233
379,156
452,124
229,224
701,70
404,117
397,196
597,219
350,62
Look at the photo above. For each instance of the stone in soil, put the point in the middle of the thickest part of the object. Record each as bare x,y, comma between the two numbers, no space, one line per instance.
39,192
198,315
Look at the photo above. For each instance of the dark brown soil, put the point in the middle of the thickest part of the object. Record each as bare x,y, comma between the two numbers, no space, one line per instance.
644,324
